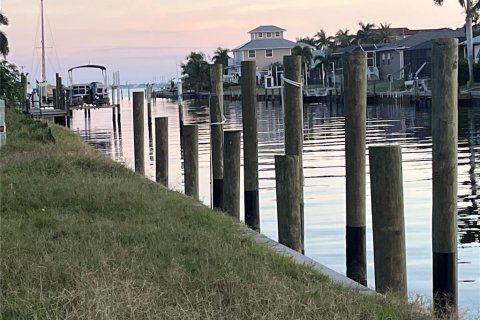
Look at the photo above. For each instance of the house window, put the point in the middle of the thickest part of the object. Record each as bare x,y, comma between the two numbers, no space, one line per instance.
269,34
277,34
251,53
260,35
268,53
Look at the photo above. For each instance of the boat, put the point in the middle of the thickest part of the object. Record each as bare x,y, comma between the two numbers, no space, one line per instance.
89,93
42,94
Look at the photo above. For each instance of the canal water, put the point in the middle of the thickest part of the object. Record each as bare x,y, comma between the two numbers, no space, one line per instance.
324,170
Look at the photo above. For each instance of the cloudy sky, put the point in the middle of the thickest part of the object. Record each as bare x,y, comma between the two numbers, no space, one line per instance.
146,39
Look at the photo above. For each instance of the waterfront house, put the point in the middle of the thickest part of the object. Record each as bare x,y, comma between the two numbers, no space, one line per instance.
411,56
267,45
403,59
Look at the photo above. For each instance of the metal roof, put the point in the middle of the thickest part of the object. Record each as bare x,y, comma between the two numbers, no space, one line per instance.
267,28
423,36
268,44
475,40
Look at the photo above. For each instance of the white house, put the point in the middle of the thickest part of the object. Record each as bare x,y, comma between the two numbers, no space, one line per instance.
267,45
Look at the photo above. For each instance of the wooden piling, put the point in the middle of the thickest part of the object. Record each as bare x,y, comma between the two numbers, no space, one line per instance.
138,133
294,121
190,164
250,145
386,184
56,94
23,79
444,168
161,150
216,133
231,173
289,193
355,77
55,98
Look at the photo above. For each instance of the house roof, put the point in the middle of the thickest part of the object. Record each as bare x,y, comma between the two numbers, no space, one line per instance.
267,28
360,47
475,40
267,44
423,36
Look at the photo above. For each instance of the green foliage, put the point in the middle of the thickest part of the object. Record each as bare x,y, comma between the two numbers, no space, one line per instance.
4,49
196,72
10,86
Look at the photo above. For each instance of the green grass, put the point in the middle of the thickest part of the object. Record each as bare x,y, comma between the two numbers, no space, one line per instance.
84,238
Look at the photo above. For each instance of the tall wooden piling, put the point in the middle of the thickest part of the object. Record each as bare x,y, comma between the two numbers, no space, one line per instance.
161,150
294,120
355,101
55,98
23,79
444,167
216,133
190,165
288,190
59,98
138,133
386,184
231,173
250,145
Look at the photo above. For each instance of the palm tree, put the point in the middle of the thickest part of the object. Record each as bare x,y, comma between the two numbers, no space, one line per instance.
326,61
322,41
343,38
196,71
307,40
384,33
471,7
4,50
365,33
221,57
306,53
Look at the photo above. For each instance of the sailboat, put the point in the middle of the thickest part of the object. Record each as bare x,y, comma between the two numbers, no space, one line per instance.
42,94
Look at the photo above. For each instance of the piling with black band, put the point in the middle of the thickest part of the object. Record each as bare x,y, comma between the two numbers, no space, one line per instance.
444,169
355,77
250,144
216,133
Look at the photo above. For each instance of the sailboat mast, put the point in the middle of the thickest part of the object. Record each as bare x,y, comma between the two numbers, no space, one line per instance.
44,75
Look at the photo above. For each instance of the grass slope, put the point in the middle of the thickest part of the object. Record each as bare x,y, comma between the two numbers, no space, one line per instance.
84,238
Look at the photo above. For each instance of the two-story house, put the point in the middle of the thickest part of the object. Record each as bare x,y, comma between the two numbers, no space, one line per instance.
267,45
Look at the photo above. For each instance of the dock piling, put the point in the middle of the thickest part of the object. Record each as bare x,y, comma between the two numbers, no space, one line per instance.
231,173
190,167
288,191
216,133
138,132
444,169
294,121
250,145
355,101
161,150
386,184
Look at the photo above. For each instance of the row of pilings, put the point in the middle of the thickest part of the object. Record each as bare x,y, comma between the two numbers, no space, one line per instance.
385,163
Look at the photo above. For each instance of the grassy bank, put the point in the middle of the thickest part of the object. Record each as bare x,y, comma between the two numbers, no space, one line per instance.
84,238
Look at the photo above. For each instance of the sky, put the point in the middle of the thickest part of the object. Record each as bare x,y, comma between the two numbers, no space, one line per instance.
146,40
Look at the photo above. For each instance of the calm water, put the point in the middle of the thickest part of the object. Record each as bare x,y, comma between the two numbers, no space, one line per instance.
324,172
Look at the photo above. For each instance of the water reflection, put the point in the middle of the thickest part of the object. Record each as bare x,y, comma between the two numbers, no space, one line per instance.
324,173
